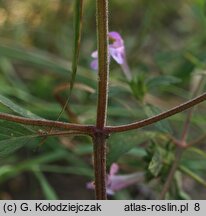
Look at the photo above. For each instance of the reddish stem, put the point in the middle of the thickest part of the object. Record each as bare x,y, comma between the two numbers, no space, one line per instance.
99,139
159,117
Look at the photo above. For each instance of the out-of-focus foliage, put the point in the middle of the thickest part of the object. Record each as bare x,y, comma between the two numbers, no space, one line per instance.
166,51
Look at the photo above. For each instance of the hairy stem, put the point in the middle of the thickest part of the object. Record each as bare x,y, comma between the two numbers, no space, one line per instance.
99,142
108,129
103,62
47,123
159,117
99,139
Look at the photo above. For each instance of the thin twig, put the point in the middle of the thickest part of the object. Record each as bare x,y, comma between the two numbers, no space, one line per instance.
71,115
64,86
186,125
159,117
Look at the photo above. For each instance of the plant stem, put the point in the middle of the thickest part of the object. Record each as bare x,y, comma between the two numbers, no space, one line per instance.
159,117
199,88
99,139
182,143
107,129
100,166
170,177
47,123
186,125
103,62
197,141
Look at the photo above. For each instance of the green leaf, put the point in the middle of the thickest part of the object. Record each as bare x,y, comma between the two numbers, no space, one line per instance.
156,82
7,172
16,108
9,146
44,60
78,13
120,144
12,129
194,159
47,189
138,86
10,73
14,136
198,151
162,125
193,175
194,60
156,164
77,170
180,193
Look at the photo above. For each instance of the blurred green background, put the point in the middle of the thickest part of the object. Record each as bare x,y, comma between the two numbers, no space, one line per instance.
162,38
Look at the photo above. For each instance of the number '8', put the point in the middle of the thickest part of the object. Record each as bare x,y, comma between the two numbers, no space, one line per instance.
197,207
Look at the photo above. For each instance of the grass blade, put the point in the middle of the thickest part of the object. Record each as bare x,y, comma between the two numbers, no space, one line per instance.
47,189
78,14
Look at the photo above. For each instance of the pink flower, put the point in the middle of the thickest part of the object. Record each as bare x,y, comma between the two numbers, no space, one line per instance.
118,182
116,51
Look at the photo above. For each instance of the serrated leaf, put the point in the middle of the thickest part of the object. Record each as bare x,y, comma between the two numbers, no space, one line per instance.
17,109
120,144
156,82
162,125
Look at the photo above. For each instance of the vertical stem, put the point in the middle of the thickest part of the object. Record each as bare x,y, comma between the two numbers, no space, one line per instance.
100,166
99,139
198,89
180,150
178,155
103,73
